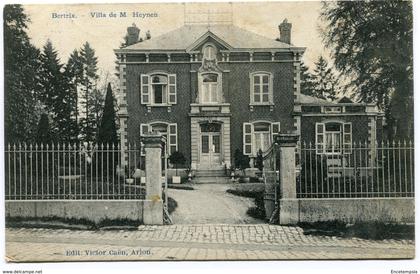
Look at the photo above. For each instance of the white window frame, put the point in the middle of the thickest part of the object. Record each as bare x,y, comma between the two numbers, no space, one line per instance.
273,126
218,88
346,134
261,74
147,92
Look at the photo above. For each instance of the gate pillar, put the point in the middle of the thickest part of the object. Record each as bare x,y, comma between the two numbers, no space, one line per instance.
153,204
289,205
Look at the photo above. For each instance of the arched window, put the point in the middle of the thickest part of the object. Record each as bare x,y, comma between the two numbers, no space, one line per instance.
259,135
209,52
262,136
169,130
159,89
209,88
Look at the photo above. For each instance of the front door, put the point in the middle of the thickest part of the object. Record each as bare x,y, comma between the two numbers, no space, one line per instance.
210,146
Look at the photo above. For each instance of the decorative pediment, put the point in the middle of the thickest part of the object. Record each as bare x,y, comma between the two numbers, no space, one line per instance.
209,37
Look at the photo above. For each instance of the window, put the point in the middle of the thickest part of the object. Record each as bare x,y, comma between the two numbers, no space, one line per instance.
258,135
261,88
209,53
158,89
209,88
332,109
169,130
333,138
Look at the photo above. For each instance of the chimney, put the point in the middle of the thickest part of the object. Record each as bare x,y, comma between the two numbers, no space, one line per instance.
133,33
285,32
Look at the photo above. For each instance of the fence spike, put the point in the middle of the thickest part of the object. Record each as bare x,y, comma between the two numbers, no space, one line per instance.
8,146
102,146
41,146
24,145
393,143
47,146
36,146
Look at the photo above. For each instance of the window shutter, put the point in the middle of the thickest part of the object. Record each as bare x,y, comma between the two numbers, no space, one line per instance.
251,88
319,138
247,138
144,129
145,89
172,89
173,138
270,90
275,129
347,140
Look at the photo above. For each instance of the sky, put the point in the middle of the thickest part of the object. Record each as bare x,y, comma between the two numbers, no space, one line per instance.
106,33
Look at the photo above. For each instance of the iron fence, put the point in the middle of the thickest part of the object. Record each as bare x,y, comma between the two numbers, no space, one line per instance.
383,169
73,172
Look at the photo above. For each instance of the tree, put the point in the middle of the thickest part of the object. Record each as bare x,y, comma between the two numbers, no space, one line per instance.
107,133
20,77
88,85
55,94
306,81
325,83
372,43
74,74
43,134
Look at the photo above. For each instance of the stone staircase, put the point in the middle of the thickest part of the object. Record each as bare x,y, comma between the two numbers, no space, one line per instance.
211,176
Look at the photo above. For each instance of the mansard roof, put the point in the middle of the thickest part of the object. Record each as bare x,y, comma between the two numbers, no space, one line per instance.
185,37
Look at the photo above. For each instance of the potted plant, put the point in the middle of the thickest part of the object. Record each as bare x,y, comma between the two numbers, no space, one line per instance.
259,163
189,173
176,159
242,163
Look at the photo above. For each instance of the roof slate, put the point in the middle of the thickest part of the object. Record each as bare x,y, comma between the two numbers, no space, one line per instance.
185,36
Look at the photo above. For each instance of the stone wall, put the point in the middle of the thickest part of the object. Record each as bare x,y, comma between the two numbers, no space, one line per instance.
94,211
386,210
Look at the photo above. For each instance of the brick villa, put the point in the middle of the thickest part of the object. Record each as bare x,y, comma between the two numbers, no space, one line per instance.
213,89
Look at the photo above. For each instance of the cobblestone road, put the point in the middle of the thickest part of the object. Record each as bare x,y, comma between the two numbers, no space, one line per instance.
194,242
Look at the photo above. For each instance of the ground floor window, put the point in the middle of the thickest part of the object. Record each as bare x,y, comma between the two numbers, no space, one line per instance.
333,138
169,130
258,135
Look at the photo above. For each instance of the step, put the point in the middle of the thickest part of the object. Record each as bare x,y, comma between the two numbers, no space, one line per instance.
212,180
210,173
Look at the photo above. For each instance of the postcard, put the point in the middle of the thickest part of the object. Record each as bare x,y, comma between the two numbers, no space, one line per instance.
223,131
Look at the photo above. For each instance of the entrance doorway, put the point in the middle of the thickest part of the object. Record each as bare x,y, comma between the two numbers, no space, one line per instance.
210,145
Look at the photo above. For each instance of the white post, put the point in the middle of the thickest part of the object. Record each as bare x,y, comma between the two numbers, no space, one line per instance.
153,205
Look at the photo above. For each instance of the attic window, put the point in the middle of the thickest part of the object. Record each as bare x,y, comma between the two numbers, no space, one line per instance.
209,52
332,109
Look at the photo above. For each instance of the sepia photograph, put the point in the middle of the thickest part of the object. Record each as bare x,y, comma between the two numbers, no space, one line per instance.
208,131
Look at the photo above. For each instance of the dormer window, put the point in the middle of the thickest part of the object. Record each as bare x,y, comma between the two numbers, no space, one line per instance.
209,52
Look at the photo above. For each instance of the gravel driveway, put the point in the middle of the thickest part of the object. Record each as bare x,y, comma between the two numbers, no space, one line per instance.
211,204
